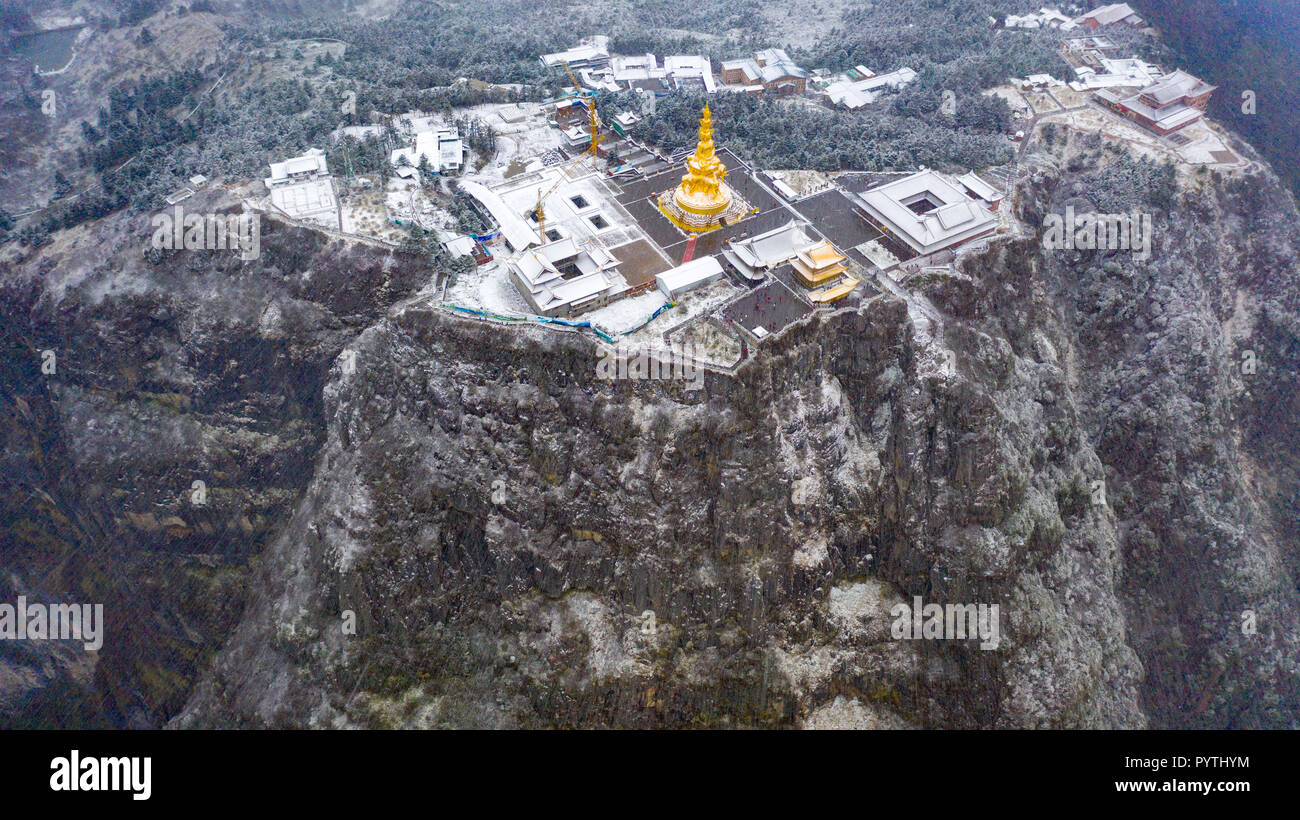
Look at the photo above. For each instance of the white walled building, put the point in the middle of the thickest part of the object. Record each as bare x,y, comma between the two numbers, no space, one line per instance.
928,211
564,278
693,274
442,147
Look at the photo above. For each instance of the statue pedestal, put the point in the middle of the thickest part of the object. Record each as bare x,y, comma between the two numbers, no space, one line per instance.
702,202
701,217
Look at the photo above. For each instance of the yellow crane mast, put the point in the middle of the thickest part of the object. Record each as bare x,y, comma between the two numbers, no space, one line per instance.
593,121
593,126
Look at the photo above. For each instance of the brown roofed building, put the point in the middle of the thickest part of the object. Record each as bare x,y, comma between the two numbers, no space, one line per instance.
1173,102
1177,87
1109,15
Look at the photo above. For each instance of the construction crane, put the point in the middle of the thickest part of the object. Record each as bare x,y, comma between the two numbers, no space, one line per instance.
541,214
593,128
589,98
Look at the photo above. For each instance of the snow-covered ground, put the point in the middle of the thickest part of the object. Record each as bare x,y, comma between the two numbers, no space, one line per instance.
1204,143
488,287
626,314
803,183
1012,96
1202,136
523,135
878,255
359,132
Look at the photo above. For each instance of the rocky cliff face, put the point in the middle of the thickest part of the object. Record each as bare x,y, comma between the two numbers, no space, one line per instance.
662,558
461,525
128,381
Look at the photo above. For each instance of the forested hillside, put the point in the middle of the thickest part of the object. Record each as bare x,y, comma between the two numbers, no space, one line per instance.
1242,46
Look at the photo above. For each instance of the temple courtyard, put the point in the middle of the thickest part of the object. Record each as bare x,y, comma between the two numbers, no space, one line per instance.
705,250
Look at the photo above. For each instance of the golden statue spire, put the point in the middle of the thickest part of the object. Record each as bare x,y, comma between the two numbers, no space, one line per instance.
701,190
703,200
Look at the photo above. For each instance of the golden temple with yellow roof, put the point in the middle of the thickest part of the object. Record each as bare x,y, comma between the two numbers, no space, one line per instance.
703,201
818,264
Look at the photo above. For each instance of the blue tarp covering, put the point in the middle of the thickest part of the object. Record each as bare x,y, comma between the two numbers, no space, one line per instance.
662,308
552,321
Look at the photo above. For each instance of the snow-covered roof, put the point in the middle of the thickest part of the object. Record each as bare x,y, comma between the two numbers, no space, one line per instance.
1114,13
643,61
461,246
747,65
847,94
442,148
1052,18
1130,72
974,183
955,217
308,165
772,55
690,275
772,72
1174,86
690,66
857,93
513,227
578,54
772,248
1167,118
538,276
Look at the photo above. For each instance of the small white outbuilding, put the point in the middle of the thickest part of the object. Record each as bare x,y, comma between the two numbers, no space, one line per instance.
689,276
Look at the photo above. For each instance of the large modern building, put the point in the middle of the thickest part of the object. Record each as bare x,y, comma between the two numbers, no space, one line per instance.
778,73
928,212
1173,102
769,70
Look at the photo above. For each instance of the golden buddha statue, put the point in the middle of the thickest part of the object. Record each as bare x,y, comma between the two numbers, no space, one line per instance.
702,200
701,190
